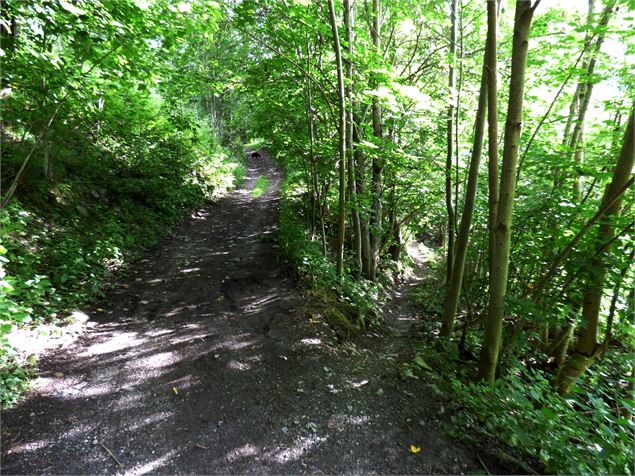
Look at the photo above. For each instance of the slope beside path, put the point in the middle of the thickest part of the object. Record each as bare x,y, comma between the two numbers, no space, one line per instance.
202,362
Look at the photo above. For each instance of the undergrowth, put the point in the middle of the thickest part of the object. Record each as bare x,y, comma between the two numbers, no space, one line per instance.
349,304
589,431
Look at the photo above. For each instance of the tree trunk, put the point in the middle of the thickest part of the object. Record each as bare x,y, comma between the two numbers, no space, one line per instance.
360,170
342,141
582,96
456,277
352,188
575,101
492,129
450,144
576,142
377,162
317,209
587,348
616,294
502,233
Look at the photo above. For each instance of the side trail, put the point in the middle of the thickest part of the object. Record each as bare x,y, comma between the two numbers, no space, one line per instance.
201,362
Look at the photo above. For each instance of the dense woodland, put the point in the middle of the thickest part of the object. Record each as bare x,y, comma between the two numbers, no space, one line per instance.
499,135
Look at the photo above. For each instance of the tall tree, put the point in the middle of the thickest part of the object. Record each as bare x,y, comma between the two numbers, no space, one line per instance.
492,130
341,128
587,348
352,186
582,96
502,232
450,141
456,277
377,165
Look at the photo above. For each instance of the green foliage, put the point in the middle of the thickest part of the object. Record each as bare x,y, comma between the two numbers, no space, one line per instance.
590,431
15,376
350,304
580,434
139,110
110,200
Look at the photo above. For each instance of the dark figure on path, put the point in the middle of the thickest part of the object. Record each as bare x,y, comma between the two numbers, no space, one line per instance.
255,155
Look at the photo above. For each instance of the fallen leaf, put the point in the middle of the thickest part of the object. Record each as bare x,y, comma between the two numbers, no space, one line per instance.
176,392
414,449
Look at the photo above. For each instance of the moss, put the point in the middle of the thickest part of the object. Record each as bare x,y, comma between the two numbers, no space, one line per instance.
340,322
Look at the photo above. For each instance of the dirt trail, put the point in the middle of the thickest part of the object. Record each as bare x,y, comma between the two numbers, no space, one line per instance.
201,363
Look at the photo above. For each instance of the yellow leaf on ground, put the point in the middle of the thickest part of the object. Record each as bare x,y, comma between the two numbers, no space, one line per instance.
176,392
414,449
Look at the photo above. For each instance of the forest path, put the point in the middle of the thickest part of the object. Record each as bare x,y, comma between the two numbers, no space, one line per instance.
201,363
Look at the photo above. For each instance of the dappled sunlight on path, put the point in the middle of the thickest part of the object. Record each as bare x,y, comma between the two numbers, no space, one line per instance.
201,363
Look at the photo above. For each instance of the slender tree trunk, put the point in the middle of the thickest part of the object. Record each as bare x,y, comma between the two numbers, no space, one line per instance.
360,170
492,129
502,233
317,209
456,277
352,188
377,162
616,294
579,160
47,162
574,141
587,347
582,96
575,101
585,89
450,143
341,224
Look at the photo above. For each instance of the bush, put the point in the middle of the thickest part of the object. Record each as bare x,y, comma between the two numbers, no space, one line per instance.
350,303
590,431
60,246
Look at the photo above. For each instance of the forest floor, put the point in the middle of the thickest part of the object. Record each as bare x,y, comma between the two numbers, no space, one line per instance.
205,360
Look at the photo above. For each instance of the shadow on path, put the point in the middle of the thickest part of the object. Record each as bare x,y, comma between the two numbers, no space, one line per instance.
200,363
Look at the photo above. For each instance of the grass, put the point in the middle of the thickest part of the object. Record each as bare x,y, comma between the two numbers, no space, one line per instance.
262,184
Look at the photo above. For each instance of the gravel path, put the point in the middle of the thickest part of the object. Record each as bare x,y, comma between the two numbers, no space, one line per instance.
205,361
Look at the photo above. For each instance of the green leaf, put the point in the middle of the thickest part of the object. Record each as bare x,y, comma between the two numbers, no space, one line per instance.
549,413
69,7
